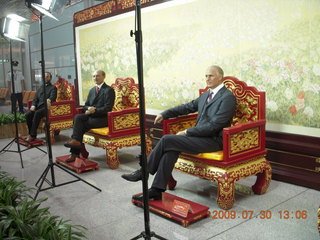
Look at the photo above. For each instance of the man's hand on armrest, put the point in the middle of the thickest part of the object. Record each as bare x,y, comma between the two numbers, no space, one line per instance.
158,119
48,103
182,133
90,110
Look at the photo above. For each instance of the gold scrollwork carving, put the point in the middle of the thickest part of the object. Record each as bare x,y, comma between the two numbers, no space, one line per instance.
60,110
244,140
126,121
61,125
247,102
94,12
130,3
89,139
180,126
64,92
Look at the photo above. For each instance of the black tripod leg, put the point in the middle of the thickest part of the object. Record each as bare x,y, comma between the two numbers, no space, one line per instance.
19,150
10,143
157,236
43,177
77,177
144,235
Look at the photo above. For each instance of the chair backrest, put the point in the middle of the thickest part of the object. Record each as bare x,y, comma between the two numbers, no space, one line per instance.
4,92
65,90
250,102
25,97
127,94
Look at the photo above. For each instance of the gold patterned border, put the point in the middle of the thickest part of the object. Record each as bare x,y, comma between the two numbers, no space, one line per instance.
126,121
94,12
244,141
104,9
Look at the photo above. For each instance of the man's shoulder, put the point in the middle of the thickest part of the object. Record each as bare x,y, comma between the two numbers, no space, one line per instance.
226,91
107,87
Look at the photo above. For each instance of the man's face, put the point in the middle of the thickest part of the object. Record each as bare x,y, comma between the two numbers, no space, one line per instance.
213,77
47,77
98,77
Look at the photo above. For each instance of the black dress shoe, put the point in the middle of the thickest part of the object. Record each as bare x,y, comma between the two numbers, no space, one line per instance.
154,194
133,177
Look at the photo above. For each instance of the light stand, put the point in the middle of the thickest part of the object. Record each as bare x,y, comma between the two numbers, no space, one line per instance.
51,164
17,138
147,234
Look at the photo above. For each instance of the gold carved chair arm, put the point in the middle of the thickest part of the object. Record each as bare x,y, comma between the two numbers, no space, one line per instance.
244,141
124,122
174,125
62,110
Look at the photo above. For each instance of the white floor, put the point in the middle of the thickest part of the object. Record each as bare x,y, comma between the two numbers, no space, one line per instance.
111,215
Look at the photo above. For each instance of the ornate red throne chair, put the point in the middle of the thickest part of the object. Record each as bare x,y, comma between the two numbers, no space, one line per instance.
61,113
123,124
243,153
63,110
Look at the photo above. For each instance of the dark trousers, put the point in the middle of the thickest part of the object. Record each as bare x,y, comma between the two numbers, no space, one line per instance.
14,98
83,123
165,154
33,119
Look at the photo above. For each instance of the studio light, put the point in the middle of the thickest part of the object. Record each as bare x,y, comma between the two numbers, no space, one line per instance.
12,27
45,7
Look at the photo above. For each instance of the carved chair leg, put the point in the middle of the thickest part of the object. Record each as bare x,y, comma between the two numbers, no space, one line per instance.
83,152
263,180
225,199
112,157
171,183
148,145
52,139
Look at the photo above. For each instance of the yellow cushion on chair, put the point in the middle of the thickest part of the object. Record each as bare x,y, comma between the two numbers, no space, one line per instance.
100,131
216,156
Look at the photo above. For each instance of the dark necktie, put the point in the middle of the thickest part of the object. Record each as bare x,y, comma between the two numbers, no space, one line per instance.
210,97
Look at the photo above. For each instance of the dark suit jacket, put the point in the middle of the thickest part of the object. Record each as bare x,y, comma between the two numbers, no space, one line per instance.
103,101
212,117
51,93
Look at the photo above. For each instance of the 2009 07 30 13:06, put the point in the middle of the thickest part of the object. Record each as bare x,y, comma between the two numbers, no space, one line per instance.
263,214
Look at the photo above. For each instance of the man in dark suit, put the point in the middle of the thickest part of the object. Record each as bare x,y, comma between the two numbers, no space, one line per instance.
215,111
99,102
37,110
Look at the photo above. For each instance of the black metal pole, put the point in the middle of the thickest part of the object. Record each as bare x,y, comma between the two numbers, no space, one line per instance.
14,99
143,157
51,164
17,138
47,123
147,234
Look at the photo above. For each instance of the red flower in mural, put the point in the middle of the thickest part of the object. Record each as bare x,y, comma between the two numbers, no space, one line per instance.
293,110
301,95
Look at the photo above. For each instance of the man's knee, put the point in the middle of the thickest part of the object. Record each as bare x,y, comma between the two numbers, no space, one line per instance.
38,114
167,139
29,115
80,117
